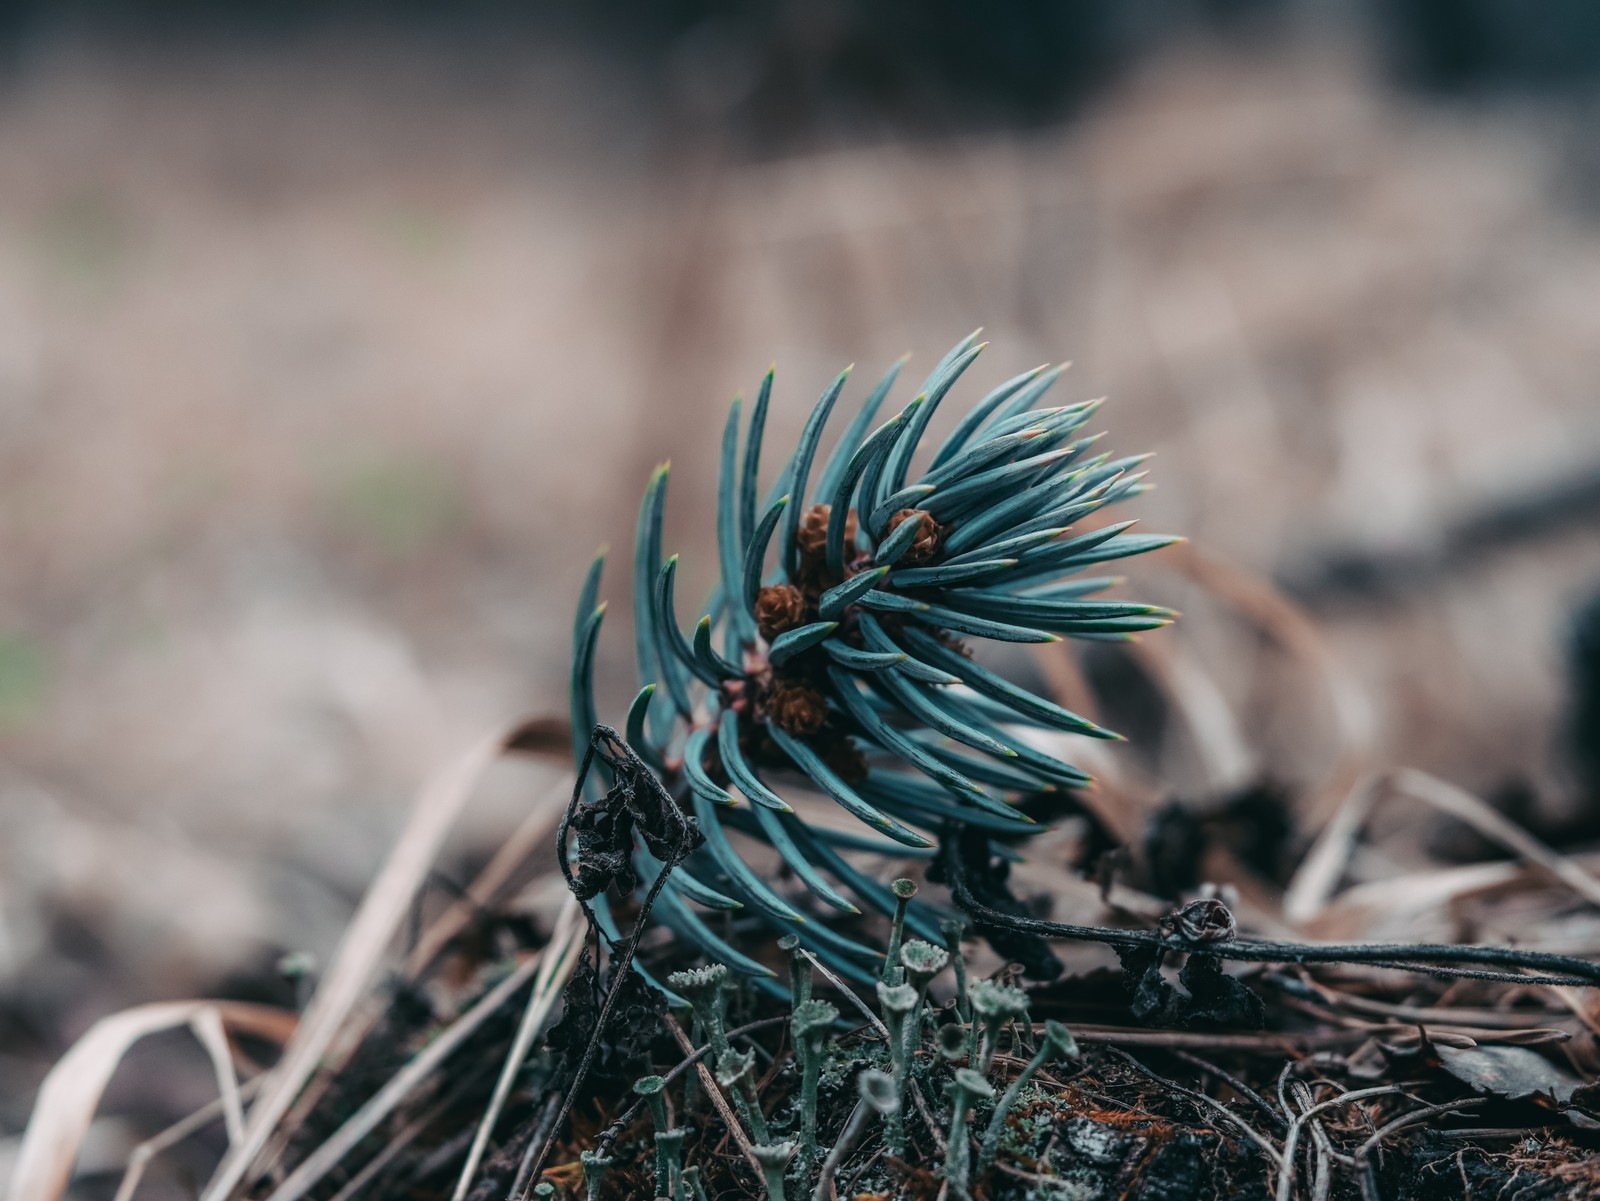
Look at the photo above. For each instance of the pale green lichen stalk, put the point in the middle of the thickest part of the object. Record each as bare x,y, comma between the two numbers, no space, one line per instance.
967,1087
811,1024
774,1160
1058,1044
967,1054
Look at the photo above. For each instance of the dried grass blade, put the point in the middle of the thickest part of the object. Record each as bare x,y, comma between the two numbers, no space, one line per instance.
208,1030
174,1134
1317,877
71,1092
708,1082
392,1148
1354,911
1584,1003
1296,632
497,876
1492,824
366,1119
1214,730
361,951
560,957
534,832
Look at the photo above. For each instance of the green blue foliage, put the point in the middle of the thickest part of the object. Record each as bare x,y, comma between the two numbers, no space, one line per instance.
832,654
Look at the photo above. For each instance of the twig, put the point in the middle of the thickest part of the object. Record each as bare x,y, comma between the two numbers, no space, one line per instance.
1488,1019
622,958
850,1186
1411,1119
527,838
1325,1154
360,953
1369,1186
872,1018
1494,1133
174,1134
614,1131
1491,823
1030,1177
1410,957
1286,1176
1273,1043
1237,1085
392,1146
1212,1103
927,1117
547,1121
849,993
840,1148
710,1084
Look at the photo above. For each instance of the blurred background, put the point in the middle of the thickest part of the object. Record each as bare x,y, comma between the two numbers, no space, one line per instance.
335,337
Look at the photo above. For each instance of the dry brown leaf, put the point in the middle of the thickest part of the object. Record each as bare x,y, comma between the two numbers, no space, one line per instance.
1317,877
1227,761
1515,1073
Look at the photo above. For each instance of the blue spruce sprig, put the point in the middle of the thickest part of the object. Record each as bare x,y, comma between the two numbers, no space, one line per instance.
833,648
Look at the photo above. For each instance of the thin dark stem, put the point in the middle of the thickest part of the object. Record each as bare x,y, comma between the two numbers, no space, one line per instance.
1211,1103
540,1137
622,957
1408,957
1233,1082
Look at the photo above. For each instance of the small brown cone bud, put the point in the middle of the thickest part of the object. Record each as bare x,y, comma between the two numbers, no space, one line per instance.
797,708
929,541
812,536
779,607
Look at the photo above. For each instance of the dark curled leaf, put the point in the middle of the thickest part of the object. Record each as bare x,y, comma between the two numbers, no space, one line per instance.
1212,998
580,1009
1515,1073
636,803
605,848
623,1048
1218,999
1150,997
986,878
635,1024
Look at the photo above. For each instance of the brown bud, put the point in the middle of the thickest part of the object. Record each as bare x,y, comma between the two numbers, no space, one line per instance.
1205,920
779,607
797,708
812,536
929,541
